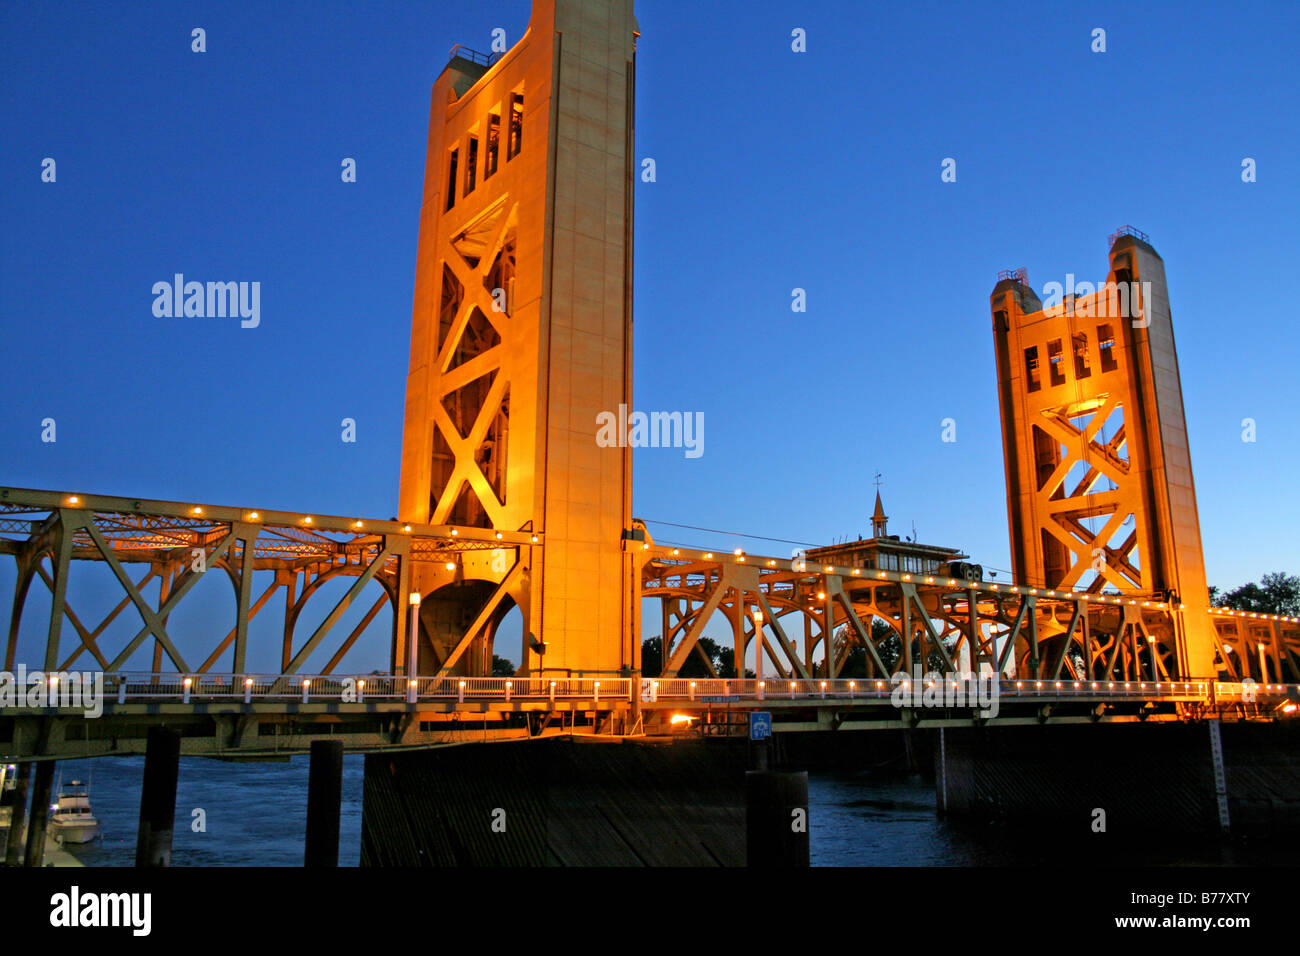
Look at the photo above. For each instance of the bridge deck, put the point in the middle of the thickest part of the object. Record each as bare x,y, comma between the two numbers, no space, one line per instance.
234,716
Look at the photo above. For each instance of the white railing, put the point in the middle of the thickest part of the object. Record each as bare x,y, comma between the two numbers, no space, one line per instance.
706,689
1250,693
322,688
318,688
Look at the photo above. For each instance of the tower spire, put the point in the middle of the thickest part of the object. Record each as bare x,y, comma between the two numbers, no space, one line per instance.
878,520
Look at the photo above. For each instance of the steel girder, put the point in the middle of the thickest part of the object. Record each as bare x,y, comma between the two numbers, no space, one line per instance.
944,624
262,554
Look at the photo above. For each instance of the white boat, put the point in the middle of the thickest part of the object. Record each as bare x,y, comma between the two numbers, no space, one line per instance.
8,779
70,818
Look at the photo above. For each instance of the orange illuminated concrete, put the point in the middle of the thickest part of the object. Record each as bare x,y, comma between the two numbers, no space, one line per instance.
521,335
1099,476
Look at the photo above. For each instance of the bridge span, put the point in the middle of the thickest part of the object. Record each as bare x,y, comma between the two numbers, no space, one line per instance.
1043,655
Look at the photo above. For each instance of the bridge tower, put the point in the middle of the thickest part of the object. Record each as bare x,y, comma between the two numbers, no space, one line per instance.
1099,476
521,334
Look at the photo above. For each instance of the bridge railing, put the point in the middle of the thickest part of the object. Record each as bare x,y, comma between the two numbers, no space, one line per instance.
320,688
1226,692
127,687
706,690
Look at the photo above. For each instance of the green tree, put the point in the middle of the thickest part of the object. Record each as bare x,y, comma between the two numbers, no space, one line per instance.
1276,593
502,667
652,657
888,646
722,658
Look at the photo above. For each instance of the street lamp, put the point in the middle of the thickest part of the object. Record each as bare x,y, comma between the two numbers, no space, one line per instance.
412,649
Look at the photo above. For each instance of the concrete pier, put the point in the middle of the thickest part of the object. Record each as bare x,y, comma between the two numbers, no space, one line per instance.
557,802
40,813
324,797
18,819
776,818
158,798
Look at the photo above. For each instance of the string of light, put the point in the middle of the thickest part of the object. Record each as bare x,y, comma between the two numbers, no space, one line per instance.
734,534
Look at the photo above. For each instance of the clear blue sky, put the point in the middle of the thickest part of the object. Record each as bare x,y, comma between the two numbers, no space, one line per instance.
775,170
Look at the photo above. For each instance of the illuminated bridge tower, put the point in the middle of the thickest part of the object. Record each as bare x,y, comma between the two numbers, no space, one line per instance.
1099,477
521,335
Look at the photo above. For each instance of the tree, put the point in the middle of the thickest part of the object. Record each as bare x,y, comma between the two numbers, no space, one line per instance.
502,667
888,646
1282,592
722,658
1276,593
652,657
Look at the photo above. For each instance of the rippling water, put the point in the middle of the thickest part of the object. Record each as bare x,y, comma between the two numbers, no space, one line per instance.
256,815
865,820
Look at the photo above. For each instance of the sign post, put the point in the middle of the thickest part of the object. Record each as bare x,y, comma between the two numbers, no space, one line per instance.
760,730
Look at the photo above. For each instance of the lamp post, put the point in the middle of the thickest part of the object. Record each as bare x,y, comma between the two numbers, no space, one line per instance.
412,648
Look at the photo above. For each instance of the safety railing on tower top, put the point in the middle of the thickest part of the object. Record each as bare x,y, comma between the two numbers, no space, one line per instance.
474,56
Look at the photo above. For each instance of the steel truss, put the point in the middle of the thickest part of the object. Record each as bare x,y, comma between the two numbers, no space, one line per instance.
793,605
944,625
261,553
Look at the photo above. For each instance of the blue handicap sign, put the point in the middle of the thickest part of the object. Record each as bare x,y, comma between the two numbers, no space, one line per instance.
760,725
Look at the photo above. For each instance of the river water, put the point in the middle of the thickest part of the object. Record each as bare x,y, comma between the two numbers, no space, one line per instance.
254,814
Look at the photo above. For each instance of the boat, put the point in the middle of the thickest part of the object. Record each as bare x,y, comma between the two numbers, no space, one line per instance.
70,818
8,778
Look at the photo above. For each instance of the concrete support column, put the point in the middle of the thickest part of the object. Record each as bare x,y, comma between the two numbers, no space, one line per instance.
162,761
40,814
18,822
941,774
324,797
776,818
1220,777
